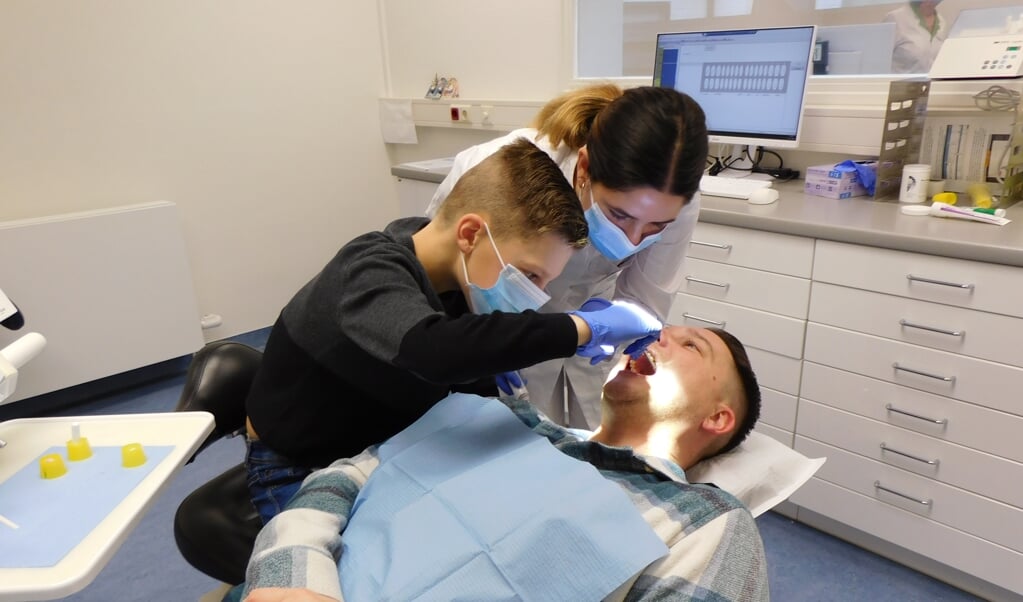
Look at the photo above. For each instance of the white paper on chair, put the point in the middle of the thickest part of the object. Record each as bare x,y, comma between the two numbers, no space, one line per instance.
761,472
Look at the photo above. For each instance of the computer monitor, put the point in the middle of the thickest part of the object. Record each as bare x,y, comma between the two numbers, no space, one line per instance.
750,82
857,49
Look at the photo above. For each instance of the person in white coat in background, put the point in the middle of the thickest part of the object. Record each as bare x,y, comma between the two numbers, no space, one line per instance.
919,33
635,158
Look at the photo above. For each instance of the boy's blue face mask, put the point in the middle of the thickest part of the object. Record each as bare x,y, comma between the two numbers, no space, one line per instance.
512,293
608,238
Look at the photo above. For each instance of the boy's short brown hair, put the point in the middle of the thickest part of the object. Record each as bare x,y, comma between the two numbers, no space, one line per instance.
521,193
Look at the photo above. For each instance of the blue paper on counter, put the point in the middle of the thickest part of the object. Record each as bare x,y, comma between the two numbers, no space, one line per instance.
468,503
865,170
54,515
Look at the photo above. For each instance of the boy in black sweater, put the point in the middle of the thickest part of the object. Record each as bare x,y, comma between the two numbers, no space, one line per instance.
385,330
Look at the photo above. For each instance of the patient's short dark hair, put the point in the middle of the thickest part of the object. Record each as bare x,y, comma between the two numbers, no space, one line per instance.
750,389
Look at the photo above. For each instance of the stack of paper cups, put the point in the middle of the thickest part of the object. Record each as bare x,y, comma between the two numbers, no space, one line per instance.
915,177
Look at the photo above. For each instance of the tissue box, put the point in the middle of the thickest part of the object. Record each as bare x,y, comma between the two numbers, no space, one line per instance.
826,181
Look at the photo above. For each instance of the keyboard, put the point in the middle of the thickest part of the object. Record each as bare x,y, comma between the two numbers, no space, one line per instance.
736,188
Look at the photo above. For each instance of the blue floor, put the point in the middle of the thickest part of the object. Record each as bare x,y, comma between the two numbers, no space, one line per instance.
803,563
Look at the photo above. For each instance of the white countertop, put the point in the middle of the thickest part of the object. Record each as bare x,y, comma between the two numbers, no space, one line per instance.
857,220
860,220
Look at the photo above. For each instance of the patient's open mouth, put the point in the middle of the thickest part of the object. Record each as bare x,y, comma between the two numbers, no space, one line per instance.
644,364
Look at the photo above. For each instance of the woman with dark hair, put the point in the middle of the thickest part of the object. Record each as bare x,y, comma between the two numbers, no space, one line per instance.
635,158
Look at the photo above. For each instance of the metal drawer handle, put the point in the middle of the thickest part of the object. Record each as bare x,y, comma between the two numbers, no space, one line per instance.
711,244
707,282
885,448
878,485
951,333
948,379
704,320
913,278
892,408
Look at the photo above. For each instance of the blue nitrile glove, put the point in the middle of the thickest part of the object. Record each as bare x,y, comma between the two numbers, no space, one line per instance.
510,383
614,323
866,170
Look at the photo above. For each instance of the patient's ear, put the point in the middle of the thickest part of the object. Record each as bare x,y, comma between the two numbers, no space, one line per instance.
721,422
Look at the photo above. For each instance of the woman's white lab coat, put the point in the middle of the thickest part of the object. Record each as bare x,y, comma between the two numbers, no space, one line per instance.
915,47
649,278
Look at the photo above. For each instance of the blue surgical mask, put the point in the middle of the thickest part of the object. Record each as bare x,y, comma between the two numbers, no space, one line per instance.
608,238
512,293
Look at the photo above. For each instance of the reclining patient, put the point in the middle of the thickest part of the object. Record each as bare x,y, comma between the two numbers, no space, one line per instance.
500,503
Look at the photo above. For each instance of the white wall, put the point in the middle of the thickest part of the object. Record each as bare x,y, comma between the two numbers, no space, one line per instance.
504,49
258,118
497,49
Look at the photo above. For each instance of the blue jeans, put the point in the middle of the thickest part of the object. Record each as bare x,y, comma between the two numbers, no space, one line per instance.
273,479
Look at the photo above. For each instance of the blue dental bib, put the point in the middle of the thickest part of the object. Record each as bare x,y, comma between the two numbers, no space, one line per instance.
470,504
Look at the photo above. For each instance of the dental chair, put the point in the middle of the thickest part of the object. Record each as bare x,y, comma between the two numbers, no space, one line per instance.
216,525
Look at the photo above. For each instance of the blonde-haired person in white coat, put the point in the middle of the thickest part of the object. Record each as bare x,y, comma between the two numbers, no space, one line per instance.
635,158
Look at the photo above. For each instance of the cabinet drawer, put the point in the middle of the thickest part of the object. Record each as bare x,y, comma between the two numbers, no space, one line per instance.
775,371
957,282
974,333
985,383
974,471
767,291
952,547
970,425
755,328
768,251
948,505
778,409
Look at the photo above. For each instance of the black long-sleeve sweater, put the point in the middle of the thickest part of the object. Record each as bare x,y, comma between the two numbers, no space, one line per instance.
367,346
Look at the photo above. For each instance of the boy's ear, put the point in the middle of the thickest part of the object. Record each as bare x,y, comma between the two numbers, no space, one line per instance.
721,422
468,230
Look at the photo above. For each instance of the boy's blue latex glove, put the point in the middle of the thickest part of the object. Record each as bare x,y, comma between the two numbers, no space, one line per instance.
614,323
511,383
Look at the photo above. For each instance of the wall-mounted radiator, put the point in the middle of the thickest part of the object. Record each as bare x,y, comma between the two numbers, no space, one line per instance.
111,290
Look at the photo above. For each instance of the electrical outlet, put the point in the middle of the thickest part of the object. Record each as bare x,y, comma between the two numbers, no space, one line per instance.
487,115
460,114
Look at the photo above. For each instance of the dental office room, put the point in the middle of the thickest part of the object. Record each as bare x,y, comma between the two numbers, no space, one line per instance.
801,220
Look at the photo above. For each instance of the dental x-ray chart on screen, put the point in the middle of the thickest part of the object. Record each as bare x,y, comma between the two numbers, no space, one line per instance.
750,82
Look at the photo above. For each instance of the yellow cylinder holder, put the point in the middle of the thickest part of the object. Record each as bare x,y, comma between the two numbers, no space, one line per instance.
132,455
78,450
51,466
948,198
78,446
